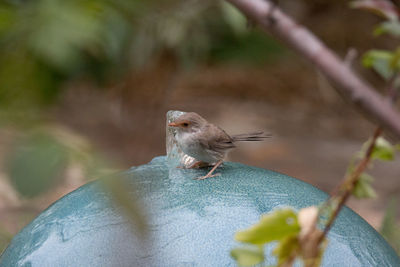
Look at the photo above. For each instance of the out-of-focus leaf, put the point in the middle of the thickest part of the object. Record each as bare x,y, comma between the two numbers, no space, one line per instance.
36,164
122,196
181,29
253,48
389,229
383,150
389,27
59,36
380,61
5,238
383,8
286,249
234,18
248,256
273,226
363,188
7,17
395,62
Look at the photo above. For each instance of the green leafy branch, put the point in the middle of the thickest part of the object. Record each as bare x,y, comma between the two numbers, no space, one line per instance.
297,234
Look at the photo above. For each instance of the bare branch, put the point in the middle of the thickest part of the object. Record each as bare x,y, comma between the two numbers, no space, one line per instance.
271,19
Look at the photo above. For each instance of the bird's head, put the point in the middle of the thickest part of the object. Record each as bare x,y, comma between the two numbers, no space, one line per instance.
188,122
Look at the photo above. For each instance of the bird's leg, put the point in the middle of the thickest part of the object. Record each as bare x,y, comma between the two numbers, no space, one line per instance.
209,174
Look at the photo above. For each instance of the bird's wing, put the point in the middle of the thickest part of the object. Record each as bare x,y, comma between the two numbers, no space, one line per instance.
216,140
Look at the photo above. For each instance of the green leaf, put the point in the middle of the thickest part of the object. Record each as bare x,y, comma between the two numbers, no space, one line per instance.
273,226
248,256
389,228
60,37
234,18
36,164
363,188
383,150
286,248
388,27
380,61
7,17
128,202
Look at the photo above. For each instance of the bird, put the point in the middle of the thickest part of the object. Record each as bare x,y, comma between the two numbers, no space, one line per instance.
207,143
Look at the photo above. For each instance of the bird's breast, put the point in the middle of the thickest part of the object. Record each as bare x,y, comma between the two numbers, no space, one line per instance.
190,145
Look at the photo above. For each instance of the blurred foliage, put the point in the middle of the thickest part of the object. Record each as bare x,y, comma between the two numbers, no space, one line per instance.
121,194
234,41
39,157
363,187
297,234
390,229
36,164
385,62
381,61
46,43
5,238
383,150
274,226
248,256
291,231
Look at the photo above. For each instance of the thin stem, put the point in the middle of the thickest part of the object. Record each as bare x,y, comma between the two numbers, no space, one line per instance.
350,182
343,192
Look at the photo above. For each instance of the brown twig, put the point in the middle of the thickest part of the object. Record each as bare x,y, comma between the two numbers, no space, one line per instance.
350,182
345,189
305,43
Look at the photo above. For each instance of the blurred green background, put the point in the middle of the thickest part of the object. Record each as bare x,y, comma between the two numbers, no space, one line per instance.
85,85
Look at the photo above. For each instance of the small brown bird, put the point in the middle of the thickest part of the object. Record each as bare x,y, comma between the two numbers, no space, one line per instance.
205,142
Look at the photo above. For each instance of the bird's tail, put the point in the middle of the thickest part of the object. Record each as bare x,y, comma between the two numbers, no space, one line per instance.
256,136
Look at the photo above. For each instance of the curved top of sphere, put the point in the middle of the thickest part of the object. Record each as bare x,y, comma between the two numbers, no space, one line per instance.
191,222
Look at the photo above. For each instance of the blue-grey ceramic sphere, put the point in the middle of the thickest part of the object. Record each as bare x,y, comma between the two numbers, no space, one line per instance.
191,222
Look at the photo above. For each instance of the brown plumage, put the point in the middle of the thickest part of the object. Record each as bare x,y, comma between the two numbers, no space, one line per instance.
205,142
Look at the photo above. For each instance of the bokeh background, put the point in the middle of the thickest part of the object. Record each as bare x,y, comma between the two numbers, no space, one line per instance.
85,86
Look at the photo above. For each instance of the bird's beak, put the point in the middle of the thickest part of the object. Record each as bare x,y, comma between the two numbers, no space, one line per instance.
173,124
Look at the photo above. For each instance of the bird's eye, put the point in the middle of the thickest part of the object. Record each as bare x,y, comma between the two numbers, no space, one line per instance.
185,124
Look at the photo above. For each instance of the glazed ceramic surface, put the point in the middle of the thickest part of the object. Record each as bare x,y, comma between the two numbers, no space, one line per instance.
191,222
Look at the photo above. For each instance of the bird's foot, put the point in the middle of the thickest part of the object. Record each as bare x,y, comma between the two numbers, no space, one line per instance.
206,176
210,173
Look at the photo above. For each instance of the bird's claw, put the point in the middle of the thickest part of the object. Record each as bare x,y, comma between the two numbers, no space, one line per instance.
207,176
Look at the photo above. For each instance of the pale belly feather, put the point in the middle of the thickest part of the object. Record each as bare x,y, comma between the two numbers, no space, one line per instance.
192,147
